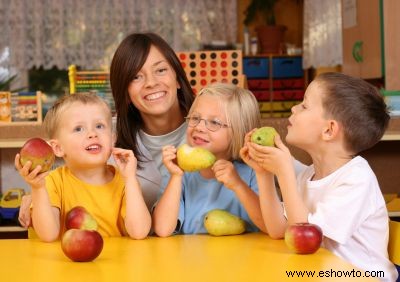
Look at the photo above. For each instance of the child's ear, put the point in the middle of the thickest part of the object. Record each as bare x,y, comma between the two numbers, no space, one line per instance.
331,130
56,148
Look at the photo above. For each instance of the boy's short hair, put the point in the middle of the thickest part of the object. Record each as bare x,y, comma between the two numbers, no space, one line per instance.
242,112
358,106
52,118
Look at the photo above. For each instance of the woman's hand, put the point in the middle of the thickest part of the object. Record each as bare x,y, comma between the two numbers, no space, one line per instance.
169,160
24,216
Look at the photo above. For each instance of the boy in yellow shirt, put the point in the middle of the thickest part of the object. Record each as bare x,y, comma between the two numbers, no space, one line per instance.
80,131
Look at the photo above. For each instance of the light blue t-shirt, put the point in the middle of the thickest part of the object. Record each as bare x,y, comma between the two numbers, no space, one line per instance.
200,195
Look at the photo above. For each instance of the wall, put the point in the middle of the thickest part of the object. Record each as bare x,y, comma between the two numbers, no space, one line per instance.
287,12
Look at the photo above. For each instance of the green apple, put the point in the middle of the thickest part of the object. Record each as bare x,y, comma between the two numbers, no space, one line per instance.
219,222
194,158
264,136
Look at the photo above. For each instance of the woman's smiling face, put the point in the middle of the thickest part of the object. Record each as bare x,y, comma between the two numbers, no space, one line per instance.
153,91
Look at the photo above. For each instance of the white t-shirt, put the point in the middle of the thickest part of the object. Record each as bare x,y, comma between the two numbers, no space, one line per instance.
349,207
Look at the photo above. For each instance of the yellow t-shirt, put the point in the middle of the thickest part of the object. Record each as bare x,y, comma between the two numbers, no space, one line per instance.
106,203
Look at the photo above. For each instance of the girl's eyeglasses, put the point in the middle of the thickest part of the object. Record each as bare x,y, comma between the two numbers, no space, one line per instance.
211,124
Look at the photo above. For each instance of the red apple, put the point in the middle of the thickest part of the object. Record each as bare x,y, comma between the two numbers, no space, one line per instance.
82,245
303,238
38,152
79,218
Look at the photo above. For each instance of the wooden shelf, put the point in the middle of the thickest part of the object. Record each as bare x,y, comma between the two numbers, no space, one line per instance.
12,143
14,135
391,136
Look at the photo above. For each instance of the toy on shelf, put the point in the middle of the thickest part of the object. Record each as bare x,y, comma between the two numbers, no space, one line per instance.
205,67
91,81
20,107
9,205
5,106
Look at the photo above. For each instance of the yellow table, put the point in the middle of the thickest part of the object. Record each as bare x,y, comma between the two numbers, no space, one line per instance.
250,257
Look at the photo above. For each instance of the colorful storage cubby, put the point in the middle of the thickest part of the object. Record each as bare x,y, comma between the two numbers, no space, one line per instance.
276,81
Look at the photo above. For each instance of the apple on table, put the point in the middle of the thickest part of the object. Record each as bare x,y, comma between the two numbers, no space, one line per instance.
303,238
81,242
82,245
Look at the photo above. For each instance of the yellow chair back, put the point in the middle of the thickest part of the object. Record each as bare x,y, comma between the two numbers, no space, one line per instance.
394,242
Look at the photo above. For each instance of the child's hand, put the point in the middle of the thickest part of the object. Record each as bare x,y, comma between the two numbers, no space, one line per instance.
226,173
169,160
126,161
35,179
274,159
244,154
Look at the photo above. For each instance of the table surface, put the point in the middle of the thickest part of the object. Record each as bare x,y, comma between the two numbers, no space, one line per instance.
247,257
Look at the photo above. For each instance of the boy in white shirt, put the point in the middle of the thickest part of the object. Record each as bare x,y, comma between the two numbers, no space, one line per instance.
339,117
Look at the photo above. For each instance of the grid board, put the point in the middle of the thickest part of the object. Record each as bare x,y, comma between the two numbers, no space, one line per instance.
205,67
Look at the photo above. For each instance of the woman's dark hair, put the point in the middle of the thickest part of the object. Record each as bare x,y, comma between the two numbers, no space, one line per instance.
128,60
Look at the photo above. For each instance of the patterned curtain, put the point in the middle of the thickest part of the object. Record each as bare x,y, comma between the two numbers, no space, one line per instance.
58,33
322,34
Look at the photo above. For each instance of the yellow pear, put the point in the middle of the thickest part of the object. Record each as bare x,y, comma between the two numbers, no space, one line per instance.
219,222
264,136
194,158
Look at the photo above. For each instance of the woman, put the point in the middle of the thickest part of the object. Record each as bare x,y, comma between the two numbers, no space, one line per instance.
152,96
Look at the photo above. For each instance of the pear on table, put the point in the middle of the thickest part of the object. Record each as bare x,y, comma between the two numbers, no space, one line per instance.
219,222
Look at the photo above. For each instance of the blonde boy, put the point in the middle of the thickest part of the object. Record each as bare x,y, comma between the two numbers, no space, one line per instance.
80,131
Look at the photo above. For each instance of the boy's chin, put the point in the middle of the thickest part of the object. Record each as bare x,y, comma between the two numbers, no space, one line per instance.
290,140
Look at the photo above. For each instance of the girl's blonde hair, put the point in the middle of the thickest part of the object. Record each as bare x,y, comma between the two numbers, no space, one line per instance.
241,108
53,116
